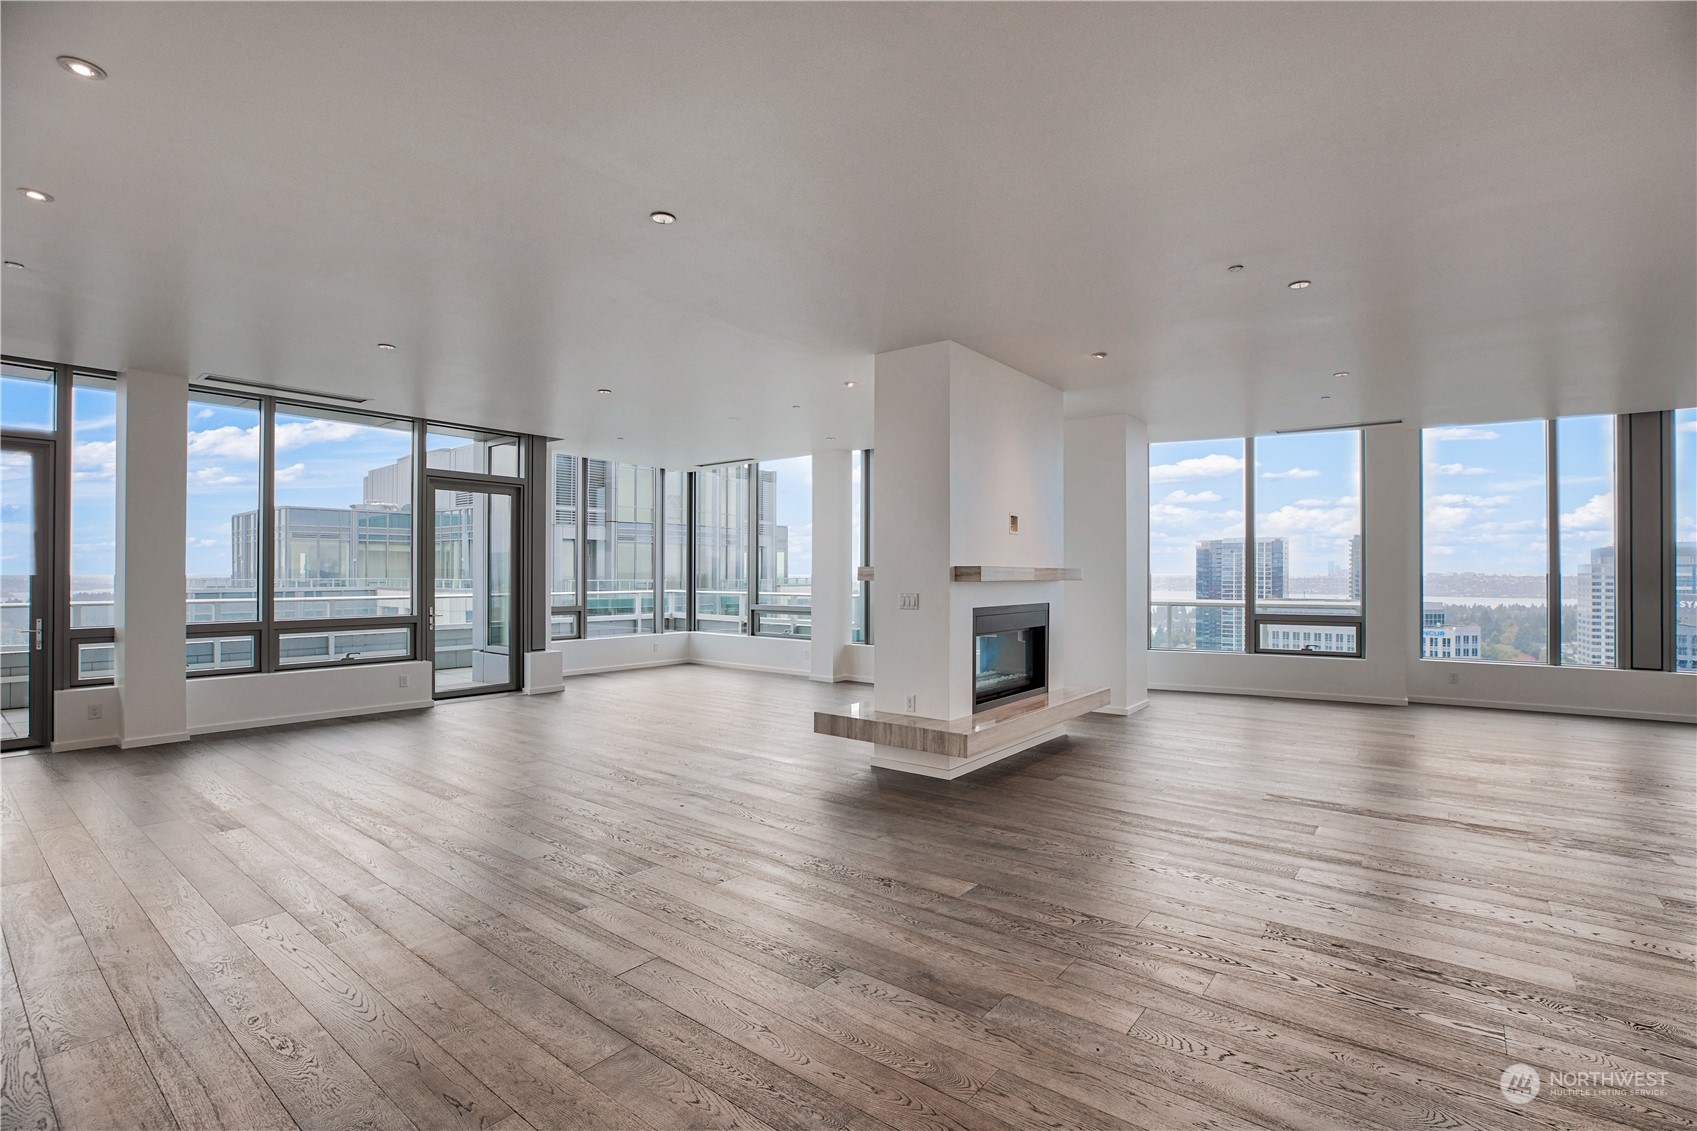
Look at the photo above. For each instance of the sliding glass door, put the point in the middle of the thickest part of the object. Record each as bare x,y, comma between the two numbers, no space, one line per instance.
25,615
473,623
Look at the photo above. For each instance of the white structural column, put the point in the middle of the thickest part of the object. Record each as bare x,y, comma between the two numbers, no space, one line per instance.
832,587
910,515
1106,625
152,458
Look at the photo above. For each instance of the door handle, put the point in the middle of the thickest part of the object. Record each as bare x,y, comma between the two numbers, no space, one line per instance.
38,634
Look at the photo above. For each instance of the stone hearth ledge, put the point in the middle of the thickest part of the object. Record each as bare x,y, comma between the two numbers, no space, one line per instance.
948,748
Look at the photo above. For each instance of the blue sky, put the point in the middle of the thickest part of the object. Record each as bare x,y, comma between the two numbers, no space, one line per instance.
795,509
1307,491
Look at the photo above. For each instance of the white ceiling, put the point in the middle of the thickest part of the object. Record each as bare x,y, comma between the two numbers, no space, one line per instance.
1497,204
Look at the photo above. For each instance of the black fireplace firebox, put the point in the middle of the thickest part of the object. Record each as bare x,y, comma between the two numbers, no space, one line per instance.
1010,654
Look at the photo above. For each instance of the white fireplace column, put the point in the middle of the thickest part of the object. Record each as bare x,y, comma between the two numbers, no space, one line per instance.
1106,637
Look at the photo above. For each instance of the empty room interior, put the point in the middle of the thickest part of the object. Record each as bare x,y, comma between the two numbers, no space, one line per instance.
849,566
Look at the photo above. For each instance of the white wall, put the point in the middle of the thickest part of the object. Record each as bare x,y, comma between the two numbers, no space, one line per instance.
910,513
753,653
833,588
963,443
1006,443
615,653
1393,672
152,466
237,702
74,730
1107,495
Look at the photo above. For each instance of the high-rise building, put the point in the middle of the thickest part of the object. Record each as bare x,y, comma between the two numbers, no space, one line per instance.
1356,564
1685,607
1594,631
1219,577
1441,641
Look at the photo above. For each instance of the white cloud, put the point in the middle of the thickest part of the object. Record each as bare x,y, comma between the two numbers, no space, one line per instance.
1200,467
1471,500
291,473
1596,513
202,542
95,461
1456,469
1448,518
205,414
213,477
1336,522
1688,425
1460,434
1192,497
1293,473
226,442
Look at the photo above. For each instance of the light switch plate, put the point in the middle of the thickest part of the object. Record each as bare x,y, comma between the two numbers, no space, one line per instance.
910,600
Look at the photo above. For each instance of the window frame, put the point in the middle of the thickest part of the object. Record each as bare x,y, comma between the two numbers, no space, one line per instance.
1248,605
757,545
62,641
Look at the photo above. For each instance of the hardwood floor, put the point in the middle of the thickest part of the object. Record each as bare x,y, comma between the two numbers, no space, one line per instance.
660,901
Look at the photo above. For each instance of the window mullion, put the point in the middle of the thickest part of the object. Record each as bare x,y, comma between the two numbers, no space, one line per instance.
1250,632
1552,568
266,526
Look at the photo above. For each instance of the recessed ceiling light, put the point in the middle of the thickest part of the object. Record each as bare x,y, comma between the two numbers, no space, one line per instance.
81,68
1300,284
605,392
618,437
1235,267
14,265
662,217
848,384
1341,373
795,406
1099,356
385,345
35,194
830,437
1325,397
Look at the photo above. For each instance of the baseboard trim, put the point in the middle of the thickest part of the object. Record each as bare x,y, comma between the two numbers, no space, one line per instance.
153,740
1556,709
1264,693
1122,712
310,717
555,690
767,668
70,745
666,663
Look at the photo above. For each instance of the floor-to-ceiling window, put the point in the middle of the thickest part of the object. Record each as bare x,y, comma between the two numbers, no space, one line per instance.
342,547
1257,544
223,543
674,554
619,545
1585,520
1685,539
860,540
1196,511
784,597
1310,552
1485,543
94,526
1522,540
722,511
565,602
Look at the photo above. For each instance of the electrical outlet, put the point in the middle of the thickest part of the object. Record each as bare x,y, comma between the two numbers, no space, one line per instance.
912,704
1013,524
656,646
95,711
910,601
406,681
1454,678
